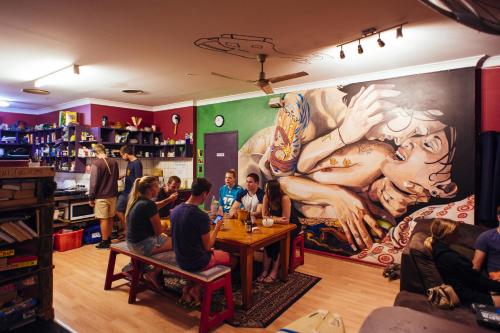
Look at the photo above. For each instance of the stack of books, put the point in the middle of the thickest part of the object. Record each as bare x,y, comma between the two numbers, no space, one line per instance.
16,231
9,261
22,192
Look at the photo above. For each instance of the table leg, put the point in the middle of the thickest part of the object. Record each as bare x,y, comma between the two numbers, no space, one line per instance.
284,257
246,266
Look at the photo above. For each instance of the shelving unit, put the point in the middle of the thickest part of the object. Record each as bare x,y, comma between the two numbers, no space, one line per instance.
32,284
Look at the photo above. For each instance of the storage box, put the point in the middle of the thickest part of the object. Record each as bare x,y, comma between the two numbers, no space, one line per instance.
64,241
92,234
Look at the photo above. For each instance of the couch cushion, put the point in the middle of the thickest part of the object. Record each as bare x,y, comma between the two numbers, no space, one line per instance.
419,303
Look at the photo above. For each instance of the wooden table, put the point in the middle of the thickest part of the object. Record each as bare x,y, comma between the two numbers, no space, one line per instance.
234,238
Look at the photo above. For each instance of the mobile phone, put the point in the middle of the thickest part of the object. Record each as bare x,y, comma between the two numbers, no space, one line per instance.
217,219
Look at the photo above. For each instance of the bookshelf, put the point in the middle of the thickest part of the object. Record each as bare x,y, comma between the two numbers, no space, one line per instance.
26,245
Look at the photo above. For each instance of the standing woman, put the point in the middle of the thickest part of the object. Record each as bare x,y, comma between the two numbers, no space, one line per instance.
456,270
144,231
278,206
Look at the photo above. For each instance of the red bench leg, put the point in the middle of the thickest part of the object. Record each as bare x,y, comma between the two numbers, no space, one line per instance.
205,309
228,292
294,260
110,271
302,249
134,284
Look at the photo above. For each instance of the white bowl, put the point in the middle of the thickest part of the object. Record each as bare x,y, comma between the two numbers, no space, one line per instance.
267,222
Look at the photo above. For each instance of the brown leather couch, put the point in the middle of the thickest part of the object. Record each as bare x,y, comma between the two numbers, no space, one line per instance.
418,273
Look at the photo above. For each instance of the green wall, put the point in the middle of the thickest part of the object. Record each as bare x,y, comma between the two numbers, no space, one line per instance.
245,116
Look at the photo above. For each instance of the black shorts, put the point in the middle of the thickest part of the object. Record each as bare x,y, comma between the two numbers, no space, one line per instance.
121,203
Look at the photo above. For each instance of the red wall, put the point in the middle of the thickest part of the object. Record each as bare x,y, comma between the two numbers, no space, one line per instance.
11,118
163,122
122,115
491,99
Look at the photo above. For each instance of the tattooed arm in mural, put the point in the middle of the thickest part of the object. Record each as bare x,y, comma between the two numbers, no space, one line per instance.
341,203
365,110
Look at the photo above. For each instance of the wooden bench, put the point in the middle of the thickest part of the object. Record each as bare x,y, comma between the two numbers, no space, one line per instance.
212,279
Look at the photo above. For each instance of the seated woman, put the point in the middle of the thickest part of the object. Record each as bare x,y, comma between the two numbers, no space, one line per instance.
277,206
144,231
456,270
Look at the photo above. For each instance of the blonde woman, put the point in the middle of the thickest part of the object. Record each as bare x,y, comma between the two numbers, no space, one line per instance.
144,231
456,270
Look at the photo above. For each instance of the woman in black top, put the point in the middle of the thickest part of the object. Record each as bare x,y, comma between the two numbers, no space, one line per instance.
456,270
144,230
278,206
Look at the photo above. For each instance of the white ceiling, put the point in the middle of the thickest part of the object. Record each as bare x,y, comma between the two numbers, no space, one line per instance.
148,45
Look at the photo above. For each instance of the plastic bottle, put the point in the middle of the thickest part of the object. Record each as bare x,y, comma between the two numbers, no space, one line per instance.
214,206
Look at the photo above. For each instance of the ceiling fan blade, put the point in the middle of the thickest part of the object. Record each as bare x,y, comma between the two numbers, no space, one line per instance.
267,88
231,78
287,77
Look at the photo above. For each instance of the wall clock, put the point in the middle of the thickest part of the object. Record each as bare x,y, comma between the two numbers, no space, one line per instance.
219,120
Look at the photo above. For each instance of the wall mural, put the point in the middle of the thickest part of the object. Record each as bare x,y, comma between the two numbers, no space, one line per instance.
361,162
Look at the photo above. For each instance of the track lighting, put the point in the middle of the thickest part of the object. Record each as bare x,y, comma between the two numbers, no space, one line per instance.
360,48
371,32
380,41
399,32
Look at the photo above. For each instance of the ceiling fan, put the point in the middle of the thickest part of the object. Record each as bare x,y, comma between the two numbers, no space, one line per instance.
262,82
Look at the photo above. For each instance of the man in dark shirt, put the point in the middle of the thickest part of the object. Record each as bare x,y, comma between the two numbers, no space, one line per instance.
134,171
168,197
192,239
103,190
488,249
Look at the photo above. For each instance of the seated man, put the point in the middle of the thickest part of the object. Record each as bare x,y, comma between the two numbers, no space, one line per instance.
192,239
228,192
249,199
168,197
488,248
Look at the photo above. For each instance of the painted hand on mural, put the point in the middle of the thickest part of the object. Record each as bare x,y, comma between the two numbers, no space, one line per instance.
396,202
331,201
365,110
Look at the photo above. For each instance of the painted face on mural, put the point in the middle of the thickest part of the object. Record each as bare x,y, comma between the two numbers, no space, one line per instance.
405,123
423,161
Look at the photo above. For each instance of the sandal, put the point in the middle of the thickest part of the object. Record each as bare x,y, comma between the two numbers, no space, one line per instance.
262,277
270,279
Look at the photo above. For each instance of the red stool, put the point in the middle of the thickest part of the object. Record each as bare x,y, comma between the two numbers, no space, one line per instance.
295,261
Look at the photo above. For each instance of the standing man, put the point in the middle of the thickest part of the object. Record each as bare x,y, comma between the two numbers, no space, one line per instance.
168,197
228,192
134,171
103,191
249,199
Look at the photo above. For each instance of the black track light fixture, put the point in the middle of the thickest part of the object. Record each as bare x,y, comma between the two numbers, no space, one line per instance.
399,32
360,48
380,41
372,32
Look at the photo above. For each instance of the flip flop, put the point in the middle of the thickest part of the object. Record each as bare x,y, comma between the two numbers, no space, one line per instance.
270,279
262,277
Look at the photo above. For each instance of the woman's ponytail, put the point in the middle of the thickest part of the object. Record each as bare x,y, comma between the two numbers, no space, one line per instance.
141,185
133,196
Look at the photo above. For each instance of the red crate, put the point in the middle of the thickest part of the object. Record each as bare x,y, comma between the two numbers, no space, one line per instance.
64,241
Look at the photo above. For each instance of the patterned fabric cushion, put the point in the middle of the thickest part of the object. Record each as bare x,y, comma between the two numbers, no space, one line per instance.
167,261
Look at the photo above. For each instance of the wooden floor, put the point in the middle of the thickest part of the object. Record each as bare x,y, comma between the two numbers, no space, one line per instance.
350,289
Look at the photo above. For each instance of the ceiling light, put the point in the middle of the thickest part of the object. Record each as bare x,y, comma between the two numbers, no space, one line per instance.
360,48
4,104
133,91
60,76
35,91
399,32
342,54
380,41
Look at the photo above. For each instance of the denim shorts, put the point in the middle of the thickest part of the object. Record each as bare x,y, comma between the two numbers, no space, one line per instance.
146,246
121,202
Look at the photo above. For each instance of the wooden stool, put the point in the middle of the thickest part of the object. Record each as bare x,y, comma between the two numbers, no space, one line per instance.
295,261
